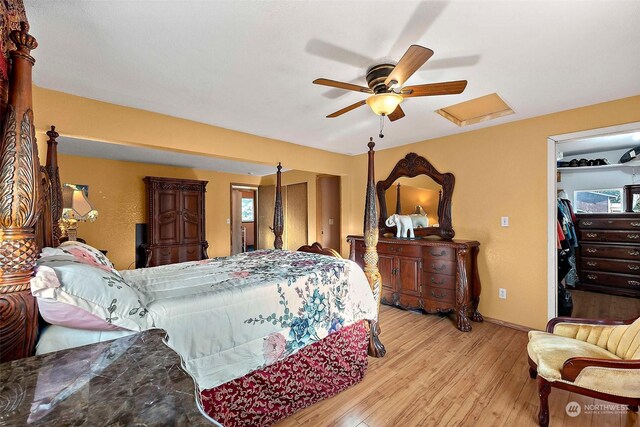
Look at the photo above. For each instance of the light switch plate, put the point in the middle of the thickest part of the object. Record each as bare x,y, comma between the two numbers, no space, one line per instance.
504,221
228,220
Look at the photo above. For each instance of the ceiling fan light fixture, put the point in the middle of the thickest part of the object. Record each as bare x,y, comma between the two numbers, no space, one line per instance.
384,104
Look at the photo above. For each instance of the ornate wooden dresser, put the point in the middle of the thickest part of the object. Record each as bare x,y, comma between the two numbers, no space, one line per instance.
176,221
609,253
435,276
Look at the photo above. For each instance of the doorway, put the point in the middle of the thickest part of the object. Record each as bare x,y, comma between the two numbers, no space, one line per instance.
587,174
328,213
244,204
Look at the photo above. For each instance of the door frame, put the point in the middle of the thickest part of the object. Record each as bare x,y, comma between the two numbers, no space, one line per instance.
552,185
248,187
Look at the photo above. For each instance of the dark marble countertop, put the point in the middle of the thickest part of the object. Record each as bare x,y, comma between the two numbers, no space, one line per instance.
131,381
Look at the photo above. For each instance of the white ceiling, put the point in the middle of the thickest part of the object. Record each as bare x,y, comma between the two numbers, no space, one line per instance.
595,144
86,148
248,65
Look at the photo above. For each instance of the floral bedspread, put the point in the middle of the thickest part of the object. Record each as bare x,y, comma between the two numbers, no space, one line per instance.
229,316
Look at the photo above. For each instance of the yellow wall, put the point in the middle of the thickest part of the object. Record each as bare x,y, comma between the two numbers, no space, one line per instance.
500,171
116,190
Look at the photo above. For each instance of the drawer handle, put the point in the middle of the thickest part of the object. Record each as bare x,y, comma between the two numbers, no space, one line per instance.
592,234
633,267
632,252
587,222
635,224
435,282
634,283
592,263
436,268
633,236
592,250
441,295
592,276
442,253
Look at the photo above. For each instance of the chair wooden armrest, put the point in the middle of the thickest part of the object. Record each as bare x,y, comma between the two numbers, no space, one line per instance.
572,367
604,322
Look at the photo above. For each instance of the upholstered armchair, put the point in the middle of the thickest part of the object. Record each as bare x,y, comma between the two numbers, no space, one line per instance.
597,358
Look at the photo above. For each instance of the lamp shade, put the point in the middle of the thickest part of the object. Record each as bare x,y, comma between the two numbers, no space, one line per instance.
76,206
384,104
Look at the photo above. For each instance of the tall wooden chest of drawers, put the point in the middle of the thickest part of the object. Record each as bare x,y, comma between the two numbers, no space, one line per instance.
609,253
176,221
435,276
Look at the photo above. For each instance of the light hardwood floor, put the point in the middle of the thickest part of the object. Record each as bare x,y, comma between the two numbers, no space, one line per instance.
595,305
435,375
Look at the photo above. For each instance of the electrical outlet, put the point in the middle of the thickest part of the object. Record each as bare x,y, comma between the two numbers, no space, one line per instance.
504,221
502,293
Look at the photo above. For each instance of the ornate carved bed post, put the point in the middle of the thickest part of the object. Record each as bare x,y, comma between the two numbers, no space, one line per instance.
56,187
376,349
19,207
278,215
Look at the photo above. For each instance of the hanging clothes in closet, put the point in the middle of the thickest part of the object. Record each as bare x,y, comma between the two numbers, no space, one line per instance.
567,242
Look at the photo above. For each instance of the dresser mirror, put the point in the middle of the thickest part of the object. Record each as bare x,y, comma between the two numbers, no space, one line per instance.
415,187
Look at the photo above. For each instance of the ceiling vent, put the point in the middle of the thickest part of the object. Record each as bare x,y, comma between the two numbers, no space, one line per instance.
476,110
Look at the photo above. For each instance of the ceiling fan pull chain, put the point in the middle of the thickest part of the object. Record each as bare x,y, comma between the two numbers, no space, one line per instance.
381,135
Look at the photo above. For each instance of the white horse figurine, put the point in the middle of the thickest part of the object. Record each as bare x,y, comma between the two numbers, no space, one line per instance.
403,225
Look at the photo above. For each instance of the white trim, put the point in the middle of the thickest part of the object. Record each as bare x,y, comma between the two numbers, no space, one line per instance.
552,257
552,231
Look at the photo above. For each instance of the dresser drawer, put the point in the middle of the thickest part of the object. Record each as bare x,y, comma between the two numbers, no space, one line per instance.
609,223
164,255
440,294
612,279
404,250
440,267
439,280
190,253
439,253
610,251
610,236
603,264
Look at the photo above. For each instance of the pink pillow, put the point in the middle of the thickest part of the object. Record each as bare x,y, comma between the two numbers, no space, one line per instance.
59,313
88,255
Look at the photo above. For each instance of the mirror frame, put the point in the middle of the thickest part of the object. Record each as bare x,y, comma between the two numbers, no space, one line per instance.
410,166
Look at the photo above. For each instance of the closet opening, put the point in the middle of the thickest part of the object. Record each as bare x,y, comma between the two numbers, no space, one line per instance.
594,223
244,218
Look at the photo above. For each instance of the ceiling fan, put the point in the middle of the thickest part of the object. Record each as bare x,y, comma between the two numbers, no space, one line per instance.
385,85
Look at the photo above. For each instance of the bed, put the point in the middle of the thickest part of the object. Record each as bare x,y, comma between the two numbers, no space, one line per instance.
263,334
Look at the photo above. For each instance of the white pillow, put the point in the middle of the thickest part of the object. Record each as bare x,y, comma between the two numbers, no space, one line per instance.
100,292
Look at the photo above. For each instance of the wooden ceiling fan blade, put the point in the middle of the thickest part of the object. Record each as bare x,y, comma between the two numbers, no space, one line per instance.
342,85
432,89
397,114
413,58
347,109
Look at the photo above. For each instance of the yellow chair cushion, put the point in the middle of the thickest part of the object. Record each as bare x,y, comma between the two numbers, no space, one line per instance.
550,351
622,340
